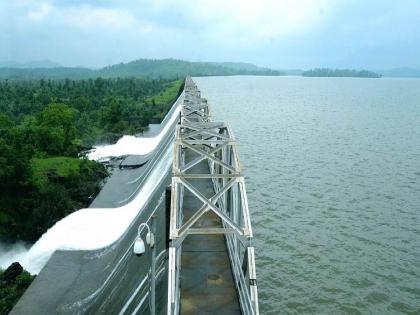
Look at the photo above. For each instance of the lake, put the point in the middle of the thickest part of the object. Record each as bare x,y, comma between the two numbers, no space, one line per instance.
332,168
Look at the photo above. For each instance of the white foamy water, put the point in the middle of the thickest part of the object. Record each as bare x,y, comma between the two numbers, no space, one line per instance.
86,229
11,253
131,145
94,228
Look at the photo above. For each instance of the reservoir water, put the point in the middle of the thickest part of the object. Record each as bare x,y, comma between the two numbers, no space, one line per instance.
333,177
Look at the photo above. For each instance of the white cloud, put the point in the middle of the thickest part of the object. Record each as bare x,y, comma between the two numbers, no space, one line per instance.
251,18
260,31
89,17
269,18
233,22
40,12
84,17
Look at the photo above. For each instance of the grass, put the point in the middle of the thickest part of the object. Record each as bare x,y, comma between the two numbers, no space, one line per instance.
164,99
58,166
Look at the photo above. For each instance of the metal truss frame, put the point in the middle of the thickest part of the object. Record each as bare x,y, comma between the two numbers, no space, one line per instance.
212,142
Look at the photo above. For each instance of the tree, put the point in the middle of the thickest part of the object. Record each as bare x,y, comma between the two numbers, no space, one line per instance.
56,129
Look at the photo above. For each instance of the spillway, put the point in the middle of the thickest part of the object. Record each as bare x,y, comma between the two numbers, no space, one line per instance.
85,261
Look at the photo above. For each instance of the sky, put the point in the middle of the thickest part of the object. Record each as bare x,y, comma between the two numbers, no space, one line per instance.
281,34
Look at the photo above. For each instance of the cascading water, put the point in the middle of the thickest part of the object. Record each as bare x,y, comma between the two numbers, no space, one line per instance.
95,228
90,228
131,145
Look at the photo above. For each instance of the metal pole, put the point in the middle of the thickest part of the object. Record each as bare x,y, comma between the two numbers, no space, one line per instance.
168,198
153,272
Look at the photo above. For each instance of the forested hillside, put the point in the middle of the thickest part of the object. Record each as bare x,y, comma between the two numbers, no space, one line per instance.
171,68
142,68
43,127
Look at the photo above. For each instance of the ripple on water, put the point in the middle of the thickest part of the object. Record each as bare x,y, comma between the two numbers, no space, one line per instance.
333,178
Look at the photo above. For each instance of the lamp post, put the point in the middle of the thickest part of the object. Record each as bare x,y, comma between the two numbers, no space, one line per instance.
139,249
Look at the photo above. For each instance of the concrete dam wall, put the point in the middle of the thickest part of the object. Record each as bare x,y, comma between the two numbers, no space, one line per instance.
110,279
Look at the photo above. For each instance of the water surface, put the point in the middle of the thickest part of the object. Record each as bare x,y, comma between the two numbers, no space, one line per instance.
333,178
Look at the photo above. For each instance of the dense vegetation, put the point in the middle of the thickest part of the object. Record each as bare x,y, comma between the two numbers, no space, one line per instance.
13,283
43,127
325,72
144,68
171,68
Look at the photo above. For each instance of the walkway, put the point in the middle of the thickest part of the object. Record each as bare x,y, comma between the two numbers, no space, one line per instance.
211,267
207,286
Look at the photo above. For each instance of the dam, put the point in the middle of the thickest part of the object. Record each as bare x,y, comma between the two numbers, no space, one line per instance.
191,196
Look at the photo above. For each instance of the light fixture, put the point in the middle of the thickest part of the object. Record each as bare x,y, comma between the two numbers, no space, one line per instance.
139,247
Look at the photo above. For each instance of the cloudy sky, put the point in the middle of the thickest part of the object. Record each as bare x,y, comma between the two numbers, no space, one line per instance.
370,34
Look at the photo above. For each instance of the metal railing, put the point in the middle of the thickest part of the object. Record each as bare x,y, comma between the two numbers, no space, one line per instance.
144,290
213,142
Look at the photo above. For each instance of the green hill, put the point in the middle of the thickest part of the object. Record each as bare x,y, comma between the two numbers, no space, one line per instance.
144,68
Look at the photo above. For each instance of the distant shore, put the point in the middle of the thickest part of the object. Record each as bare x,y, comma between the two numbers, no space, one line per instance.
326,72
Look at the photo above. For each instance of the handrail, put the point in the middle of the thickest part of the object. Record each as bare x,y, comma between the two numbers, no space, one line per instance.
160,261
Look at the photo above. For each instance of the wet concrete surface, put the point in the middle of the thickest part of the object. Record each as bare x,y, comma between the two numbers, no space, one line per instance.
95,282
134,161
151,131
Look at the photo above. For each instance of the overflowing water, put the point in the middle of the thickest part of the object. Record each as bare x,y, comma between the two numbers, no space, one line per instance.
94,228
86,229
132,145
333,177
9,253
